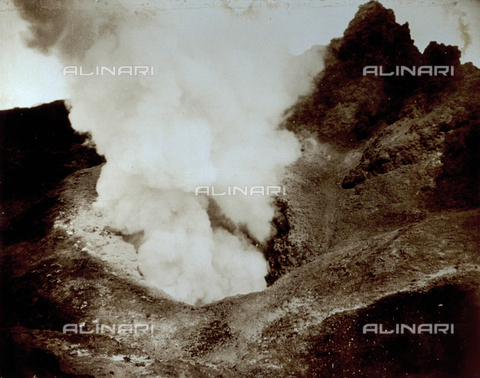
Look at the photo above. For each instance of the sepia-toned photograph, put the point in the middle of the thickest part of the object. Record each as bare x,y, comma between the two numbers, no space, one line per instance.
239,188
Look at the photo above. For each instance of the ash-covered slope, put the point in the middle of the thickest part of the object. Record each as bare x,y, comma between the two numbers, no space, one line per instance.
380,225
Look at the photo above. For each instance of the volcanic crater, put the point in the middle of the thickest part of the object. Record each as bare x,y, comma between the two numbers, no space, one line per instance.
379,225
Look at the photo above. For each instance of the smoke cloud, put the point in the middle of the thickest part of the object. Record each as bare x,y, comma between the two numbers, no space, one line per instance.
464,32
207,116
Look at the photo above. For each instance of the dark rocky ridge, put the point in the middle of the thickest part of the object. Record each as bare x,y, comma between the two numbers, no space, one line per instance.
39,148
381,133
347,107
398,242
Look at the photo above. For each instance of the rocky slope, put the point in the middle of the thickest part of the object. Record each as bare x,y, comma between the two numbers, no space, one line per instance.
380,225
38,149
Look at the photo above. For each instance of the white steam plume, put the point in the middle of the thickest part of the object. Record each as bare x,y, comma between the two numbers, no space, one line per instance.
207,116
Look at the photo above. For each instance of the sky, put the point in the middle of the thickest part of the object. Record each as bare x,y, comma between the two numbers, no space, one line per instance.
29,78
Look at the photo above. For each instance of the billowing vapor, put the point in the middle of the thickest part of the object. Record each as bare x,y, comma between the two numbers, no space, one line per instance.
207,116
464,32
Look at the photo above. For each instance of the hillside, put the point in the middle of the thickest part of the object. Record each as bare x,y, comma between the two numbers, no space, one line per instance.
380,225
39,149
380,152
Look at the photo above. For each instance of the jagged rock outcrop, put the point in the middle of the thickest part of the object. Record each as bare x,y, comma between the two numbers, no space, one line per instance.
347,107
39,148
411,154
